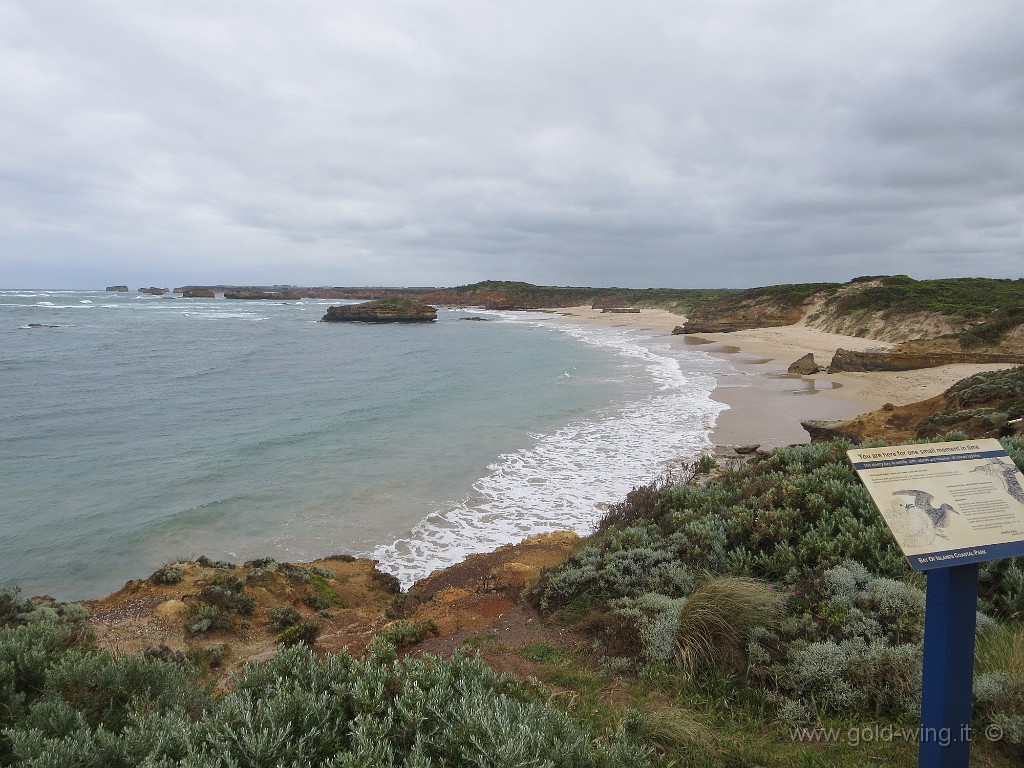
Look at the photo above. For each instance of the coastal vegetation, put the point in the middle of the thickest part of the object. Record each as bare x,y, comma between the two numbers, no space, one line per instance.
965,297
755,612
725,619
841,640
503,294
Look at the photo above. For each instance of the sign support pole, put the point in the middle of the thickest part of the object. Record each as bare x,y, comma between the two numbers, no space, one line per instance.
951,604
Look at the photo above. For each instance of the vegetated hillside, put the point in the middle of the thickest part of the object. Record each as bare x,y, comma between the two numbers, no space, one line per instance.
783,576
962,314
499,294
757,307
726,620
971,313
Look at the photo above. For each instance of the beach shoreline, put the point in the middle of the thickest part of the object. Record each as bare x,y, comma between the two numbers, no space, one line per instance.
765,402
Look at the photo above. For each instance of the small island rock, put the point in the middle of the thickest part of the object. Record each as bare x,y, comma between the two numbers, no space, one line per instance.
382,311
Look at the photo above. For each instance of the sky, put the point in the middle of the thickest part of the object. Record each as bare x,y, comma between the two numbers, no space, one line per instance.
724,143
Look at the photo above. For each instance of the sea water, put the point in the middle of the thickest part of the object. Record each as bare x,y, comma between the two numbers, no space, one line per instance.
138,430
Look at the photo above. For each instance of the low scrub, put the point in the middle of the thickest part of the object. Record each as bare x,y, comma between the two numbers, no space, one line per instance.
783,576
93,709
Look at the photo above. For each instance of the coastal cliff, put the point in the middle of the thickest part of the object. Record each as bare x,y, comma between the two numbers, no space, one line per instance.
244,608
394,310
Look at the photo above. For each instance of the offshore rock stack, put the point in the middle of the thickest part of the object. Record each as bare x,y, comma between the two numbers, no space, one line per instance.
382,311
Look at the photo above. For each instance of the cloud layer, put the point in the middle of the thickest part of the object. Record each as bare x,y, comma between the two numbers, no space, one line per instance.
583,142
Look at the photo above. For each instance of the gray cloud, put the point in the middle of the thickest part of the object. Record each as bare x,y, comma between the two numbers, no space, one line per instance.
578,142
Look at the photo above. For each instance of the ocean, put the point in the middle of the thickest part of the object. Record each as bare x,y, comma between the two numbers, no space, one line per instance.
137,430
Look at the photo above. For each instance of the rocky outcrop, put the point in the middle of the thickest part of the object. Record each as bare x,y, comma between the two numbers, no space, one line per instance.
805,366
118,288
821,430
605,303
257,294
850,361
198,293
154,291
382,311
710,319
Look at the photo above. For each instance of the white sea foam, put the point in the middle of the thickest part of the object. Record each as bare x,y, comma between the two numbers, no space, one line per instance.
565,480
217,315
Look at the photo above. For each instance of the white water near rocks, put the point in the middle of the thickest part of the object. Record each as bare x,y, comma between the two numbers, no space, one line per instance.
139,429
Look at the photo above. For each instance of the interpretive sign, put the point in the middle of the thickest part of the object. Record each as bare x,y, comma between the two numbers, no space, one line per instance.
947,503
950,506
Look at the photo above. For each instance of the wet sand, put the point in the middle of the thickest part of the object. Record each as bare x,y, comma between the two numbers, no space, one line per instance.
766,403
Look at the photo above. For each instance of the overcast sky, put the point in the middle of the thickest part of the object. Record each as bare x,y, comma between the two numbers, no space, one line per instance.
722,143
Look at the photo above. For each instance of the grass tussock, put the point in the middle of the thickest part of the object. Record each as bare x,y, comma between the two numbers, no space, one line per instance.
716,621
1001,649
674,729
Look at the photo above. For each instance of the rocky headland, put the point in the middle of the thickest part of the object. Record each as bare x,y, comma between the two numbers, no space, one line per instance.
237,612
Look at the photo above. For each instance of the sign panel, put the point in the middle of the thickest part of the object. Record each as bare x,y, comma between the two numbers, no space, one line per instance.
947,503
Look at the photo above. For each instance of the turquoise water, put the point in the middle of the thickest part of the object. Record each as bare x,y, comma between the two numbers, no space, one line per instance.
139,429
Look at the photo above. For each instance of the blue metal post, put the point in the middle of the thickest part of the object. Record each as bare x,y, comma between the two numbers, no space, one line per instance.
949,623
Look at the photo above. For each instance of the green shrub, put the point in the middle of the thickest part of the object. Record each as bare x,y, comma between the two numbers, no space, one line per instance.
999,701
228,582
210,656
854,676
653,620
10,607
228,599
296,573
405,632
321,595
206,618
284,616
104,689
302,633
17,612
169,574
298,710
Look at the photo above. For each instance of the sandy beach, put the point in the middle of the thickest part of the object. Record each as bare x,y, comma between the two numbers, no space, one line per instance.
766,403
